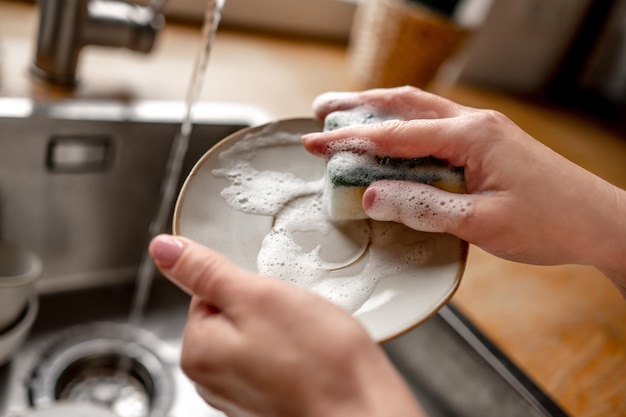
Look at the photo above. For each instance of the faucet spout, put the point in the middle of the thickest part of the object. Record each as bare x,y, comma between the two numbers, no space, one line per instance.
66,26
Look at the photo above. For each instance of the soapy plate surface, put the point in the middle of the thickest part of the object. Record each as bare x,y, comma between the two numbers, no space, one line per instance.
236,201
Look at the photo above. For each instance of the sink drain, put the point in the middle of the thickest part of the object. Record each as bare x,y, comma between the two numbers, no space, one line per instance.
108,364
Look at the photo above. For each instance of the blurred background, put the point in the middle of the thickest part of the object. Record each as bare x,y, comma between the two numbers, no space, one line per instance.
557,68
571,51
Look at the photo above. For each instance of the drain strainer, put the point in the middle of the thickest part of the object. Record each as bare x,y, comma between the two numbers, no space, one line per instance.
70,410
109,364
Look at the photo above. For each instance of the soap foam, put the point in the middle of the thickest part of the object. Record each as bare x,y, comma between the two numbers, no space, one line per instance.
352,145
380,249
260,192
419,206
354,117
348,175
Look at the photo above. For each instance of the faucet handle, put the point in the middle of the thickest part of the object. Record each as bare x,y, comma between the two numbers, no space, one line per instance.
115,23
66,26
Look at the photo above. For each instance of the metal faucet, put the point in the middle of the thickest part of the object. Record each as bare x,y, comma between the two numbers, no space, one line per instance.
65,26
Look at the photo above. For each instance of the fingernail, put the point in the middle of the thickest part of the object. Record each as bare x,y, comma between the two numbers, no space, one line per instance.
312,144
307,137
369,196
165,250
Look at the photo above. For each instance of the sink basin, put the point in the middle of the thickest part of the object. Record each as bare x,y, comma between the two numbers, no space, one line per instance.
79,185
83,178
67,319
452,369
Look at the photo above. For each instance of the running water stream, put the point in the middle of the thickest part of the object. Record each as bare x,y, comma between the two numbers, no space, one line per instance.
176,158
169,185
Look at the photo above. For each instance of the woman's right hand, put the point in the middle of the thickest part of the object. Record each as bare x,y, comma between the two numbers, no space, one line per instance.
257,346
524,202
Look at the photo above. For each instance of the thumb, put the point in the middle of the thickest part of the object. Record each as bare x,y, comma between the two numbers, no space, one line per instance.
199,270
419,206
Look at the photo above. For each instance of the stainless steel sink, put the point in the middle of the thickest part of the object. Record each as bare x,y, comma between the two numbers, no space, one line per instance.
452,369
71,332
80,181
79,185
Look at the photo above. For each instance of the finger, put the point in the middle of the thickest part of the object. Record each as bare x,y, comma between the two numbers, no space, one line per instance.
222,402
209,335
200,271
200,310
419,206
204,321
409,102
213,400
442,138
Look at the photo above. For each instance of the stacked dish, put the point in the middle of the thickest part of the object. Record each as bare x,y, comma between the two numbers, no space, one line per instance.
19,269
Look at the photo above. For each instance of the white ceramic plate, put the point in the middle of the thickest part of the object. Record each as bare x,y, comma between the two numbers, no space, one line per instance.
398,302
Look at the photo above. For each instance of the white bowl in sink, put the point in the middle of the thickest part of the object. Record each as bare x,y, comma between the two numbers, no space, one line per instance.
12,338
19,269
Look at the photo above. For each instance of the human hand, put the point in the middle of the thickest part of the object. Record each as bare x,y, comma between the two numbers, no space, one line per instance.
524,202
256,346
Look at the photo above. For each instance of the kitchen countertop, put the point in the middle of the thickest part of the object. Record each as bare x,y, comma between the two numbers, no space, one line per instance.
564,326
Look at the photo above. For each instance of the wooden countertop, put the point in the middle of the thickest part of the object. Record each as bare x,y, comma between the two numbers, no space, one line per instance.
564,326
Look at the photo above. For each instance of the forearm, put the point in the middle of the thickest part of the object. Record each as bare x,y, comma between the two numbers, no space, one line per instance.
390,401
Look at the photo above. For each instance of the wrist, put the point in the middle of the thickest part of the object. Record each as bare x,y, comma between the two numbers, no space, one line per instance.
377,390
611,260
618,278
